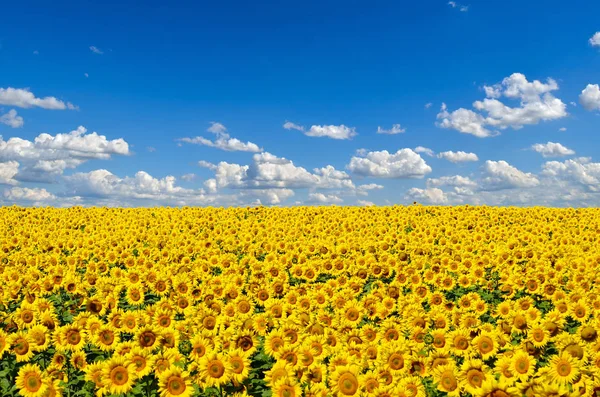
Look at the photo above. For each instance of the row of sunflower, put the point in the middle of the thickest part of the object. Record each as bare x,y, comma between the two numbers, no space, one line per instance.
307,301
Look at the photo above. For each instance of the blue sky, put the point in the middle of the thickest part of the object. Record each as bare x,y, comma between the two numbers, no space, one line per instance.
168,85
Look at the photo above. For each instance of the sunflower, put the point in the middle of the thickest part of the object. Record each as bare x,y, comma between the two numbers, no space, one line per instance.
94,374
281,369
411,386
21,345
105,338
459,342
174,382
4,343
286,387
522,366
142,359
215,369
200,346
78,360
486,345
274,343
563,369
118,375
497,388
71,338
25,316
240,364
446,379
345,380
147,337
30,381
472,375
538,336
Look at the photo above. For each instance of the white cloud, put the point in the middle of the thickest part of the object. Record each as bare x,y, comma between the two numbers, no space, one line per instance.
8,170
552,149
24,98
461,7
324,199
291,126
456,180
562,129
465,121
458,157
428,105
217,128
48,156
427,151
223,141
27,194
365,203
206,164
96,50
403,164
501,175
188,177
536,104
12,119
211,185
370,186
151,149
103,183
270,171
270,196
429,195
331,131
579,170
590,97
396,129
595,40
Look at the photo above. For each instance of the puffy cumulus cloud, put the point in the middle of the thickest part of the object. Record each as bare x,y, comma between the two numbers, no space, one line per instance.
324,199
427,151
270,171
269,196
595,40
288,125
458,157
455,180
207,164
501,175
223,141
331,131
552,149
429,195
48,156
463,120
8,170
590,97
365,203
580,170
12,119
405,163
536,104
104,184
27,194
370,186
396,129
23,98
188,177
211,185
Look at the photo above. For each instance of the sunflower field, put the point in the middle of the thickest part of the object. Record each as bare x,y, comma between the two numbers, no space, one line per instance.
406,301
